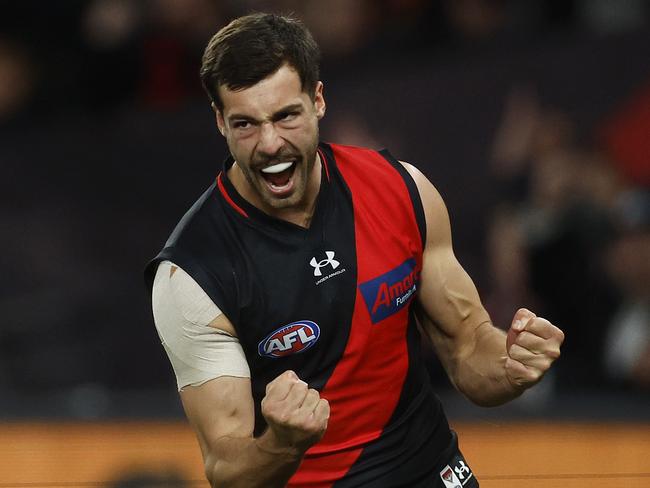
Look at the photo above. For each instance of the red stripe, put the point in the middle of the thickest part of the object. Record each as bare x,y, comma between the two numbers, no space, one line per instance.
365,387
324,161
223,191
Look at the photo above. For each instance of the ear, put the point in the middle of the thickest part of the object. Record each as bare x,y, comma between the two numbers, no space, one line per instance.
221,123
319,100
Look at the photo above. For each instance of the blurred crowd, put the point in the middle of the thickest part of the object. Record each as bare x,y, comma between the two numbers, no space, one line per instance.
570,234
567,231
94,55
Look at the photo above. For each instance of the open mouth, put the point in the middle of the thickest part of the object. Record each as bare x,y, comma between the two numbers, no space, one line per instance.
278,176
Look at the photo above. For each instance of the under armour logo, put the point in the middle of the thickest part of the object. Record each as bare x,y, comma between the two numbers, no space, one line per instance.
317,265
462,470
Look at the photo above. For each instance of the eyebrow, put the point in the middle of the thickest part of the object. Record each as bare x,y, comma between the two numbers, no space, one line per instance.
275,116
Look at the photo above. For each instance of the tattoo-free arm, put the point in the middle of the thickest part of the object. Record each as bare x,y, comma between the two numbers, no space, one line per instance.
221,414
471,349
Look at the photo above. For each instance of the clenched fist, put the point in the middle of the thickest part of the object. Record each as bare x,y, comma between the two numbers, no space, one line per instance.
296,414
532,345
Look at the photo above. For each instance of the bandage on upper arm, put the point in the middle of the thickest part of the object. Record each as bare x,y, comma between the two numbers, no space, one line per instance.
182,314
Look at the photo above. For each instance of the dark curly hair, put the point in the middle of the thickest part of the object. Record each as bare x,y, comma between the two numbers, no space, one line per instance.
255,46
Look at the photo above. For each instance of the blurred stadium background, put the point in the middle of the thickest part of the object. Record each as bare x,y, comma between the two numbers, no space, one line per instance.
531,117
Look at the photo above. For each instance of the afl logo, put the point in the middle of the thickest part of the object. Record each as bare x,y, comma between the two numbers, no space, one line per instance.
289,339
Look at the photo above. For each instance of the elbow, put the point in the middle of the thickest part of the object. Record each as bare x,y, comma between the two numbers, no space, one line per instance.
479,398
471,392
487,402
222,474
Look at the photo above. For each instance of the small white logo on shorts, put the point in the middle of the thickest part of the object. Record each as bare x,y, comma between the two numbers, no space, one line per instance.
463,471
317,265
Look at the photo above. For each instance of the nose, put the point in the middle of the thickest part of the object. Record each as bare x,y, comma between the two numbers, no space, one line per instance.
270,141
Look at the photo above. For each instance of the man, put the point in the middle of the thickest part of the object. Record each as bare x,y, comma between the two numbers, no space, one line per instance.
289,296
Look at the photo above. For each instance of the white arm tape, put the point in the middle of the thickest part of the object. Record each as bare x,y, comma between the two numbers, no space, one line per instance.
182,312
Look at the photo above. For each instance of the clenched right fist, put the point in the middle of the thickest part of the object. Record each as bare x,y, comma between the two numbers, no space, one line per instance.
296,414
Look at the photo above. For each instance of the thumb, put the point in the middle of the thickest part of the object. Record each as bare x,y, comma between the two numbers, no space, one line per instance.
519,321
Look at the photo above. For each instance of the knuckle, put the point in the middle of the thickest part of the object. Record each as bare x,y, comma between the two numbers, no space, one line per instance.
524,337
283,418
326,406
267,406
271,415
311,424
316,423
553,353
301,387
321,416
516,351
533,375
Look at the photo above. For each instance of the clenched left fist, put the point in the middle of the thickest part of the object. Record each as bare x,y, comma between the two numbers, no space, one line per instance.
532,345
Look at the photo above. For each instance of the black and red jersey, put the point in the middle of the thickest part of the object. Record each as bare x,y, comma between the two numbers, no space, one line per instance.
332,302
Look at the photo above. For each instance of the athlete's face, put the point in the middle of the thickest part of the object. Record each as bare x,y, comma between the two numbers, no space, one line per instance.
272,132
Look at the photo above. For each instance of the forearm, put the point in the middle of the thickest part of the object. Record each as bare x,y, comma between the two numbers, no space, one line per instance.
250,462
480,374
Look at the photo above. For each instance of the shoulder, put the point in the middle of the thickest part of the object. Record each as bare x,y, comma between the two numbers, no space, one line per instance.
371,167
359,158
424,185
187,243
204,241
191,221
435,210
175,289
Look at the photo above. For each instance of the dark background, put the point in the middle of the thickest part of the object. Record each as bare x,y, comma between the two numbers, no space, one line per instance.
532,118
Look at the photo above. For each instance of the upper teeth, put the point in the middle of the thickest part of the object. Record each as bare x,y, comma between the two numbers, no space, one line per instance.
277,168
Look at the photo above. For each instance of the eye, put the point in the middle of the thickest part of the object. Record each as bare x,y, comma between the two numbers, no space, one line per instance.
287,116
241,124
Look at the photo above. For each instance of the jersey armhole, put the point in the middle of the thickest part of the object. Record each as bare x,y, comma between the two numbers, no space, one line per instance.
215,289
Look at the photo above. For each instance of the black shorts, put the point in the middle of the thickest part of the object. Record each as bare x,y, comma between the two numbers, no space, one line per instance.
434,463
448,469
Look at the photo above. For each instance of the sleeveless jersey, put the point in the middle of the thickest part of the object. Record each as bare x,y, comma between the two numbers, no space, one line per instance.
332,302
